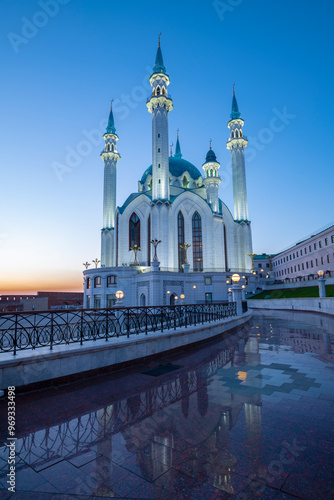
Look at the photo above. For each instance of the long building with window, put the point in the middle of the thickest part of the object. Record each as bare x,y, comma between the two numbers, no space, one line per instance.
303,260
175,237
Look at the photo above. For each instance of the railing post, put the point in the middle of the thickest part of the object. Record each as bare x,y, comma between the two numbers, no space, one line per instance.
185,313
15,335
162,319
145,320
107,325
128,322
174,308
81,327
51,336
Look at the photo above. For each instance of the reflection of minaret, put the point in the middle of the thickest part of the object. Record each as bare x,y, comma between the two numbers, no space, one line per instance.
184,381
103,453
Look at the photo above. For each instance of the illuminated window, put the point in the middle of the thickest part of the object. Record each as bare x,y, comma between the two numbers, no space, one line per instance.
180,238
97,282
163,90
111,280
134,231
197,242
240,133
88,283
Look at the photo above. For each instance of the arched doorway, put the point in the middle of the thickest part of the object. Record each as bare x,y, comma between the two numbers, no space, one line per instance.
142,300
172,299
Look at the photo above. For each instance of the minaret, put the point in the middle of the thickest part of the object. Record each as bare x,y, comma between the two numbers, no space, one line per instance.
236,144
178,153
159,104
110,156
212,179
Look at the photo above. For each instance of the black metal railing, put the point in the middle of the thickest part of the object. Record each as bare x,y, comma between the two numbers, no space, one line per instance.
30,330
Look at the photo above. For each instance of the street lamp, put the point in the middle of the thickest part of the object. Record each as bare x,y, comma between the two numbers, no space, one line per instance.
119,296
321,283
235,278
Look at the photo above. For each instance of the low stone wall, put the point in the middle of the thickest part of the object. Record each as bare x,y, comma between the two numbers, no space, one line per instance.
324,305
42,364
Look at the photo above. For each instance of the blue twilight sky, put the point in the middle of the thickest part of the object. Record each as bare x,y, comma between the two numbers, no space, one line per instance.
61,68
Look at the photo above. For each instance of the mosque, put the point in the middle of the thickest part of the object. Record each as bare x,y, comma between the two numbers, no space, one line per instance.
174,240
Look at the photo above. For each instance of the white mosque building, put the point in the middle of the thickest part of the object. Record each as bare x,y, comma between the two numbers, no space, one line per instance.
174,240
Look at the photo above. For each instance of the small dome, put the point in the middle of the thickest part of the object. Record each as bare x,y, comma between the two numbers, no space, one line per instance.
177,167
210,156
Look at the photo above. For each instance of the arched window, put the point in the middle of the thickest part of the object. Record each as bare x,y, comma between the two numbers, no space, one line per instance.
163,90
153,91
211,173
158,90
134,231
142,300
185,182
149,240
232,134
112,147
197,242
240,133
236,133
180,238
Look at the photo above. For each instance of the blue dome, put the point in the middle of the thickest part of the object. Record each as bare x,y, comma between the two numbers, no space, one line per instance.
210,156
177,166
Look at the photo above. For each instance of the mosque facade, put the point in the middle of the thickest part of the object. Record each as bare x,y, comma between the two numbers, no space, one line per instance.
174,239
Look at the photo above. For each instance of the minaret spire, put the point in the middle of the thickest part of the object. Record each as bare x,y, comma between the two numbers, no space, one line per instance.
111,124
110,156
178,153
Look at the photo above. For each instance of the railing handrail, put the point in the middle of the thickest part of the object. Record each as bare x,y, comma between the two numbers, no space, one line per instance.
32,329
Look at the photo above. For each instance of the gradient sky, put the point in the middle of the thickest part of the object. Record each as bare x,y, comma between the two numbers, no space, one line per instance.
57,82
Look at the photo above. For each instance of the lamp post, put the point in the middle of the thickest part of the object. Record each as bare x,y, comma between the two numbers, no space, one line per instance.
321,283
236,293
194,288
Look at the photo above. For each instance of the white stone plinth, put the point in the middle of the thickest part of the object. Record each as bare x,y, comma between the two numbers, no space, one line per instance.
237,297
322,287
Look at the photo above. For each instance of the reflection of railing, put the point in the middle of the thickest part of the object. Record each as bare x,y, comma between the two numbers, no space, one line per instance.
80,434
19,331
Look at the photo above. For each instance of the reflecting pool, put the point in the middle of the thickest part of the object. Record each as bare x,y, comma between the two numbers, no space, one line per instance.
248,416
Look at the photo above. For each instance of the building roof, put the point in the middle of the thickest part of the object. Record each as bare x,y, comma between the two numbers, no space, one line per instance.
177,167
